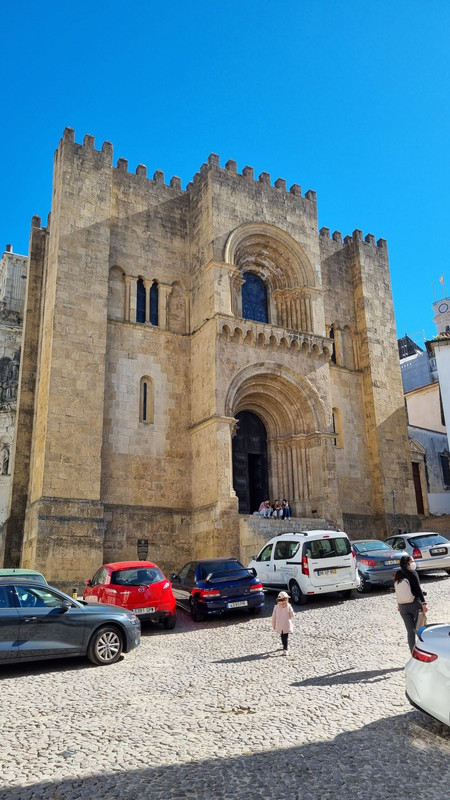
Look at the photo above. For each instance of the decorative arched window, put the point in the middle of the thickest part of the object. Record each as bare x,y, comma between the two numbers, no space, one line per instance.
154,303
140,301
146,400
254,298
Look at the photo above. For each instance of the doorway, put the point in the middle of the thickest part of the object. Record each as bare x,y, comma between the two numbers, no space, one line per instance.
250,470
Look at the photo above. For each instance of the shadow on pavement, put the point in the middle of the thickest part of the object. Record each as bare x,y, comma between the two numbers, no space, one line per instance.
405,757
345,676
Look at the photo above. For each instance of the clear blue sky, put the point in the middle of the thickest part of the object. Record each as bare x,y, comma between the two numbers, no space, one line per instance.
348,98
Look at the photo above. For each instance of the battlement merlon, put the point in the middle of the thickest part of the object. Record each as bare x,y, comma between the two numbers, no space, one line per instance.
355,238
106,153
213,163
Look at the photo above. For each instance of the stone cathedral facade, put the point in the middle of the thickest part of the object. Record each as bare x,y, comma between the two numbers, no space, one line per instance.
187,353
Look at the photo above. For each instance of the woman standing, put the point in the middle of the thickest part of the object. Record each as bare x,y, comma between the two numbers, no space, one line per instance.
410,597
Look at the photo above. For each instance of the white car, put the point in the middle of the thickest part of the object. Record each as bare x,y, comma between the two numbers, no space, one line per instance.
429,550
308,563
428,672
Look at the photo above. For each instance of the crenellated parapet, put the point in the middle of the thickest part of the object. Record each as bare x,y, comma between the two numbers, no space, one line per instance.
335,242
106,153
213,163
248,175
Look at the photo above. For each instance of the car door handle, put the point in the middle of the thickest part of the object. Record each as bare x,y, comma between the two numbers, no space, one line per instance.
29,619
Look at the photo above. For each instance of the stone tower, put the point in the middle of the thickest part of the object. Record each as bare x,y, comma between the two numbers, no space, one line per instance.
188,351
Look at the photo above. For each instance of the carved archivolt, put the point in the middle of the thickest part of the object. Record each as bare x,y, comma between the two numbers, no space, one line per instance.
286,401
282,264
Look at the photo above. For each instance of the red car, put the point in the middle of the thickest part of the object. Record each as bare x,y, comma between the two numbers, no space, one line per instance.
139,586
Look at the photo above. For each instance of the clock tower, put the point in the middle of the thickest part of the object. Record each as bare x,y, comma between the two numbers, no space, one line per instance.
441,310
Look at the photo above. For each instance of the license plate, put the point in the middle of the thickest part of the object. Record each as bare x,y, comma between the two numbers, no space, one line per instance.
438,551
390,563
238,604
326,572
148,610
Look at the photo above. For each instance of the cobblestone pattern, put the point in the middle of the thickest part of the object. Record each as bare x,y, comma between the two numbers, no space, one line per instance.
212,710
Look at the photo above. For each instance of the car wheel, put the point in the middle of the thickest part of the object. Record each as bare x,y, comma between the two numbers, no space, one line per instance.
364,586
297,595
170,622
349,594
196,614
105,646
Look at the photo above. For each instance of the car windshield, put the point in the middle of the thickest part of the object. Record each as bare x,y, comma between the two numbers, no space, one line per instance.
370,545
137,576
428,540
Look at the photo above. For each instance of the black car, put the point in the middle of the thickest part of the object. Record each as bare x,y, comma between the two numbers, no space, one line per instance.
216,585
40,622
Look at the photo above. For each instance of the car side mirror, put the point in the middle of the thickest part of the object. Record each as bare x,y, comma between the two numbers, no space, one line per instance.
173,576
253,572
88,583
66,605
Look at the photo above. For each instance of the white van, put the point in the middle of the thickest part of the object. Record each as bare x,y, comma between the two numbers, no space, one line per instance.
308,563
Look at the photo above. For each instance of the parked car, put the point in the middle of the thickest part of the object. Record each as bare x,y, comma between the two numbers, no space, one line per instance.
39,622
216,585
429,550
427,671
139,586
376,562
28,574
308,563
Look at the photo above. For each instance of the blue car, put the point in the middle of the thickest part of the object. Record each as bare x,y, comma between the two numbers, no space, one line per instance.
376,563
215,586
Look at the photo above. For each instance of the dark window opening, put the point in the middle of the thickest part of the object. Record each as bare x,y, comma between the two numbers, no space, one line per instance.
154,303
445,464
254,298
140,301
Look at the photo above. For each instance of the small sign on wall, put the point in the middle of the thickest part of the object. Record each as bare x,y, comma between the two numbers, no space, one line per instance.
142,549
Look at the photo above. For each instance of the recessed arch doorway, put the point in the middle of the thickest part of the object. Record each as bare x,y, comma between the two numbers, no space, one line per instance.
250,467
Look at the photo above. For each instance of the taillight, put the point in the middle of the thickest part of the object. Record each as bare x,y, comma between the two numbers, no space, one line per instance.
257,587
208,593
422,655
416,553
305,568
368,562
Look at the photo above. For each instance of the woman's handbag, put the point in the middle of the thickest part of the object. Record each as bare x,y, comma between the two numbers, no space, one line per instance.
421,620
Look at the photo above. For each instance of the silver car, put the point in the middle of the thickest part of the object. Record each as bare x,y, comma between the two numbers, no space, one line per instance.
429,550
427,671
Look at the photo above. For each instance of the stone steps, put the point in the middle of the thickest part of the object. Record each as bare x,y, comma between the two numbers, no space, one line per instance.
274,526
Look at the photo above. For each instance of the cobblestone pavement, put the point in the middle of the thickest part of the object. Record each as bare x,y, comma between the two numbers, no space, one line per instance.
212,710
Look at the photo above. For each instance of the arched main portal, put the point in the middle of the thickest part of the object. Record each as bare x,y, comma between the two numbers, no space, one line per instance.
290,418
250,469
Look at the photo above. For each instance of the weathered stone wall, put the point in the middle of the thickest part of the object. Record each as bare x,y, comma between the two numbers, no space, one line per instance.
97,473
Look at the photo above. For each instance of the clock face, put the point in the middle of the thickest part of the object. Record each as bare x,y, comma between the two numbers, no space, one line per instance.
443,308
